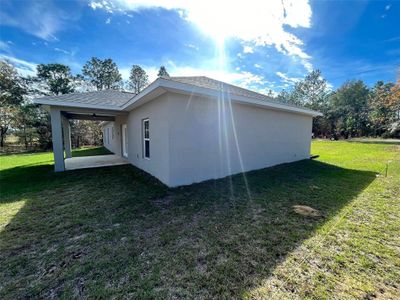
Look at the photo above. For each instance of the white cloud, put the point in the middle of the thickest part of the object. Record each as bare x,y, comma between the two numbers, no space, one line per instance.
307,65
95,5
268,90
62,50
249,80
5,47
39,18
262,23
23,67
244,79
107,5
108,20
248,49
286,79
257,66
192,46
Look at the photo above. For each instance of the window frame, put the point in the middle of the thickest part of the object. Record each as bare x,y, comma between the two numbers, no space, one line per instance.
145,139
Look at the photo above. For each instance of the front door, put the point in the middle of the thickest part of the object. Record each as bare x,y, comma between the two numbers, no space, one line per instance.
124,140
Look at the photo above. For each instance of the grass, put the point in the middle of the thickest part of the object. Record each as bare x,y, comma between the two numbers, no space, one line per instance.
31,172
117,232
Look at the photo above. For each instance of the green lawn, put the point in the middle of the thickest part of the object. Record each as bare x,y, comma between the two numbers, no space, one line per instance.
34,171
118,232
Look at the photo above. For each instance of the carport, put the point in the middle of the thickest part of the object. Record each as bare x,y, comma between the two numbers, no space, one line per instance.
95,106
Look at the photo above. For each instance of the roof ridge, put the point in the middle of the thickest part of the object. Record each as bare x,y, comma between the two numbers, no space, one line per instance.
239,87
223,82
265,97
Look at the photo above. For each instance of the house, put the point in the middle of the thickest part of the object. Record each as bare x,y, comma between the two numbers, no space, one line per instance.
187,129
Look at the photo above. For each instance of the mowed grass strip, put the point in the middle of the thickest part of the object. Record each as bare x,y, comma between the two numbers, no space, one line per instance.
117,232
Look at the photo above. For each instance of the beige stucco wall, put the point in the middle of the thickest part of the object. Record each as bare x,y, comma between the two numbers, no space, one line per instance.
196,138
115,143
158,114
213,139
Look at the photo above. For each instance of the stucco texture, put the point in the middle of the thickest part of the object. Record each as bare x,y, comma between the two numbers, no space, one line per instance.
195,138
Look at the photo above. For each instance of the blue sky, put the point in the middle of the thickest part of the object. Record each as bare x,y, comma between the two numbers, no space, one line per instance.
260,45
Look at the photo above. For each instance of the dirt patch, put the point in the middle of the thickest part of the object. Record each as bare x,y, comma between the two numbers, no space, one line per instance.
307,211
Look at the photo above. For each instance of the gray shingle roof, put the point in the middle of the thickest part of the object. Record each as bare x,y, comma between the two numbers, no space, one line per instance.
206,82
110,98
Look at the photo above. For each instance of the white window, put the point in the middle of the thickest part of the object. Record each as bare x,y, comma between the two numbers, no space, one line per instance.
146,138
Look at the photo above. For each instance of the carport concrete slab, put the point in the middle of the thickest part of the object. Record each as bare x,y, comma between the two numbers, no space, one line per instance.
85,162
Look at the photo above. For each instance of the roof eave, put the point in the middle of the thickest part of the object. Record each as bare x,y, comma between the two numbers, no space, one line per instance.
160,85
43,101
188,88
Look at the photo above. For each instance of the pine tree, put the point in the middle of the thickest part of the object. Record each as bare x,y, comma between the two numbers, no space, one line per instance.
103,74
162,72
138,79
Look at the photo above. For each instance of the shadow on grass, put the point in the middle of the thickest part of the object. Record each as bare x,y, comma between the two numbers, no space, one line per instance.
38,176
119,232
86,151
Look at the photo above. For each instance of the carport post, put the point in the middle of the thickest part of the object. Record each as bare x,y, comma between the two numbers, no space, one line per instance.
67,136
56,132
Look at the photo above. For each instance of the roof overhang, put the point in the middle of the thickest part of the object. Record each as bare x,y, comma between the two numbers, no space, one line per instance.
162,85
75,104
84,110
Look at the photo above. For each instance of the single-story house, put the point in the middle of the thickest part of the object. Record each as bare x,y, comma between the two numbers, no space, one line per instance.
184,130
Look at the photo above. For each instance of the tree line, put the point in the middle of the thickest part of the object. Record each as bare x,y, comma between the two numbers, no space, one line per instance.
31,124
352,110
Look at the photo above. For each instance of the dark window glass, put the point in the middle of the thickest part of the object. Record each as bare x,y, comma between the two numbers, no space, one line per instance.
147,149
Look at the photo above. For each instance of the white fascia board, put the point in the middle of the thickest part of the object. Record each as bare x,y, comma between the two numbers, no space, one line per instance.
150,88
75,104
191,89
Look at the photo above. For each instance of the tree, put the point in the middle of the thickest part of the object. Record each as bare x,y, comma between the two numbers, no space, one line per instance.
138,79
162,72
12,92
394,104
311,92
381,113
85,132
57,77
26,119
394,100
103,74
314,92
349,106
